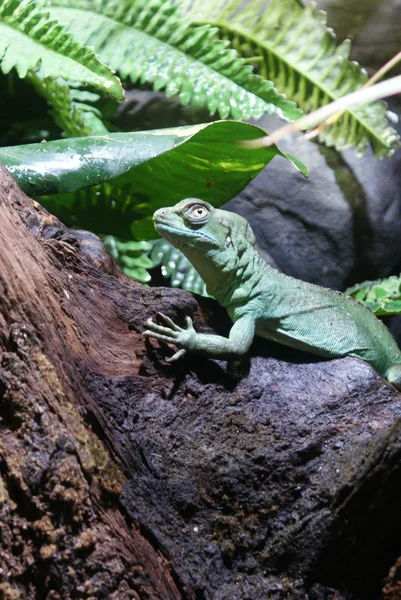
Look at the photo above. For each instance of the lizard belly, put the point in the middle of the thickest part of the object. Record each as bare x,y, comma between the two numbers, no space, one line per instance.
301,330
318,320
334,331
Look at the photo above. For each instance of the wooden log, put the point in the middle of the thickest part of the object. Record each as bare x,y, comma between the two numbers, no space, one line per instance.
63,531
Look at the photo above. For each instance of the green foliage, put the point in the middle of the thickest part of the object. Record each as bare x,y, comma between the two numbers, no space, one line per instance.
70,106
21,121
137,258
40,50
207,52
149,42
291,46
127,172
382,296
132,256
30,40
176,267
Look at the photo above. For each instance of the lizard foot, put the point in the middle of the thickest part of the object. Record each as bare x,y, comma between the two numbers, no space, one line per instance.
172,334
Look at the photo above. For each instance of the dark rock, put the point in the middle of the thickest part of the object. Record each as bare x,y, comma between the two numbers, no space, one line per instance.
235,480
339,226
372,25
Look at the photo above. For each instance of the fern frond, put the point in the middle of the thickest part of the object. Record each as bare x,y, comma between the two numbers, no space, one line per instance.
132,257
382,296
296,50
29,41
149,42
176,267
70,106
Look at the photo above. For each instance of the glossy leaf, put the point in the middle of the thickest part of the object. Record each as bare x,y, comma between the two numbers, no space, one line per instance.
136,173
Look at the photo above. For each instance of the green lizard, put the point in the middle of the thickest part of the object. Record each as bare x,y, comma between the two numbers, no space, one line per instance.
262,301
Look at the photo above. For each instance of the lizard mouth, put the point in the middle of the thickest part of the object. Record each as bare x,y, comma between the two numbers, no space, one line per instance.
169,231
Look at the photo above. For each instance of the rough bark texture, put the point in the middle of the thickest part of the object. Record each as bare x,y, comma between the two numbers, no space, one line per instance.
125,477
63,532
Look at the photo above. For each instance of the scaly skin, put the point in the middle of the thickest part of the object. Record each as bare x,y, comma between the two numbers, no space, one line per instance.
261,301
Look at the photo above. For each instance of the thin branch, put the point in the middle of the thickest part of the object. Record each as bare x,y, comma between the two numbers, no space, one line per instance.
378,75
390,87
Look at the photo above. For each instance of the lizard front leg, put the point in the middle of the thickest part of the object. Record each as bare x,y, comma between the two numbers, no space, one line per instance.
235,346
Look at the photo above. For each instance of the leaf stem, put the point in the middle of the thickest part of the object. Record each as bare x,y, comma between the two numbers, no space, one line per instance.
384,69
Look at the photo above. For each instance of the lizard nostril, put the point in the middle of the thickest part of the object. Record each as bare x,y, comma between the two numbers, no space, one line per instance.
161,213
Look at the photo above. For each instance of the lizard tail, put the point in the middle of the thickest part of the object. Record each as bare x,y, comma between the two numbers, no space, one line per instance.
393,375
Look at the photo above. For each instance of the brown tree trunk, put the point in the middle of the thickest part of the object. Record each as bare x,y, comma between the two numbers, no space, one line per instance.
63,532
124,477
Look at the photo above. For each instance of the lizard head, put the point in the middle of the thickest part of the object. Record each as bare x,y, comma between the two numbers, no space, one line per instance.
196,225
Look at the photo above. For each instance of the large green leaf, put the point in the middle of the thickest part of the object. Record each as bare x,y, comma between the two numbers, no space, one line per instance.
136,173
30,40
149,41
294,49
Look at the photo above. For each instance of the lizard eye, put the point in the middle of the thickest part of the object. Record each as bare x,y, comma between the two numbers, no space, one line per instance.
197,213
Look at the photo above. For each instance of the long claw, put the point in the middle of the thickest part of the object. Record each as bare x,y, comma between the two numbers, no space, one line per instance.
159,336
169,321
173,334
163,330
176,356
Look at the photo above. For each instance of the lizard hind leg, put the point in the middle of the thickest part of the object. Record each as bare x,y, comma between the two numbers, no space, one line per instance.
393,375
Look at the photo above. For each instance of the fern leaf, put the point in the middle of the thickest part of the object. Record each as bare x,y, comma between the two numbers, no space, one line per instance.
136,258
132,257
382,296
70,106
149,42
176,267
296,50
29,41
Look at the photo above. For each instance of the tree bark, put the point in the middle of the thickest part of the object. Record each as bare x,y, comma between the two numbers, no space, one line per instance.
63,531
122,476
